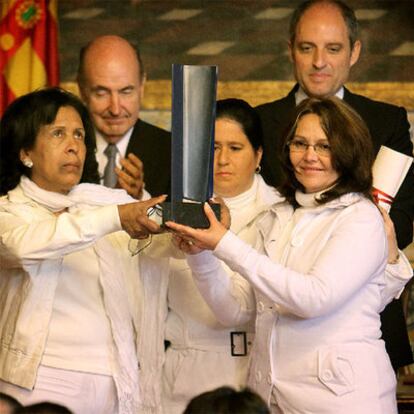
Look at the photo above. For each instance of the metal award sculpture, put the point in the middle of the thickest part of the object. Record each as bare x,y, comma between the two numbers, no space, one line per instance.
192,146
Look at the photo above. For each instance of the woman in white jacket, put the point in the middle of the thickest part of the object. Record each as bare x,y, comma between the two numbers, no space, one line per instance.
70,315
203,354
319,276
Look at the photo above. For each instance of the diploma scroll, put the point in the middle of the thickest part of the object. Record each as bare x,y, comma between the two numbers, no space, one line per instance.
389,170
192,146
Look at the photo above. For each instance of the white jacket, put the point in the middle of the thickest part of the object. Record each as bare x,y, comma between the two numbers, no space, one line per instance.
40,240
200,345
318,298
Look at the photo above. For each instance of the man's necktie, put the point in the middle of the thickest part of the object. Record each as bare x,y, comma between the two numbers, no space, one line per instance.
110,178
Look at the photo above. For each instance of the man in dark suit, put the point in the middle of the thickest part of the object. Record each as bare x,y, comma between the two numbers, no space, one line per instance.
323,46
111,81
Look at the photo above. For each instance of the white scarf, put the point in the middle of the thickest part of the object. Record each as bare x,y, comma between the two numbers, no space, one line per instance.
81,196
125,371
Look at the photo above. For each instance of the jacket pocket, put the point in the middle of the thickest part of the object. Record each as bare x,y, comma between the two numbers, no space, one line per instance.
335,371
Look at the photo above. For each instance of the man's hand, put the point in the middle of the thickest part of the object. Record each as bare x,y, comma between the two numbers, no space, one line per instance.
134,218
131,176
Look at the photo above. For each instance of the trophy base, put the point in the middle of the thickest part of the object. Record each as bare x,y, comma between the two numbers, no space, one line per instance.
188,214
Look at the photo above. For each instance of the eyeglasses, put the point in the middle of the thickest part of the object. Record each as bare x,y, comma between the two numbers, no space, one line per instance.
296,145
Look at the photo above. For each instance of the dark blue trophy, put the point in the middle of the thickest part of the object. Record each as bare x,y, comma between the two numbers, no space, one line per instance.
192,147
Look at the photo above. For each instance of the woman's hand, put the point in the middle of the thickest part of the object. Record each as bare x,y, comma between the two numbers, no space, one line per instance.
185,245
134,218
205,239
225,218
393,254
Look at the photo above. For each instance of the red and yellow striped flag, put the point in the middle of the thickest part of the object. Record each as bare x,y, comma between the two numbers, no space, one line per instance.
28,47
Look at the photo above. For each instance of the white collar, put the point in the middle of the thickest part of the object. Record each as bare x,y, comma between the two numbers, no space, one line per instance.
121,145
308,200
245,198
300,95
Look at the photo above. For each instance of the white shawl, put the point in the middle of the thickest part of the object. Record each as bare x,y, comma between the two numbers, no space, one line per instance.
84,196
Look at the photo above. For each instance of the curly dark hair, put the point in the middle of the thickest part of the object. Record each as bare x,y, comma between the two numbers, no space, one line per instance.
352,151
20,125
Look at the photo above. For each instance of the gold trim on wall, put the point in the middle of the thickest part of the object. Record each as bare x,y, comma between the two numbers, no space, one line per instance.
158,93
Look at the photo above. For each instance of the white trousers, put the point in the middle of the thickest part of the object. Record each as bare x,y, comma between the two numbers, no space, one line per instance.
80,392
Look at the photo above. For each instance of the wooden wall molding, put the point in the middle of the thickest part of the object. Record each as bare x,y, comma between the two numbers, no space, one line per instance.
158,92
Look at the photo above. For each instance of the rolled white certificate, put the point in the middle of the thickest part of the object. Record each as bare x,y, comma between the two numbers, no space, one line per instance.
389,170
